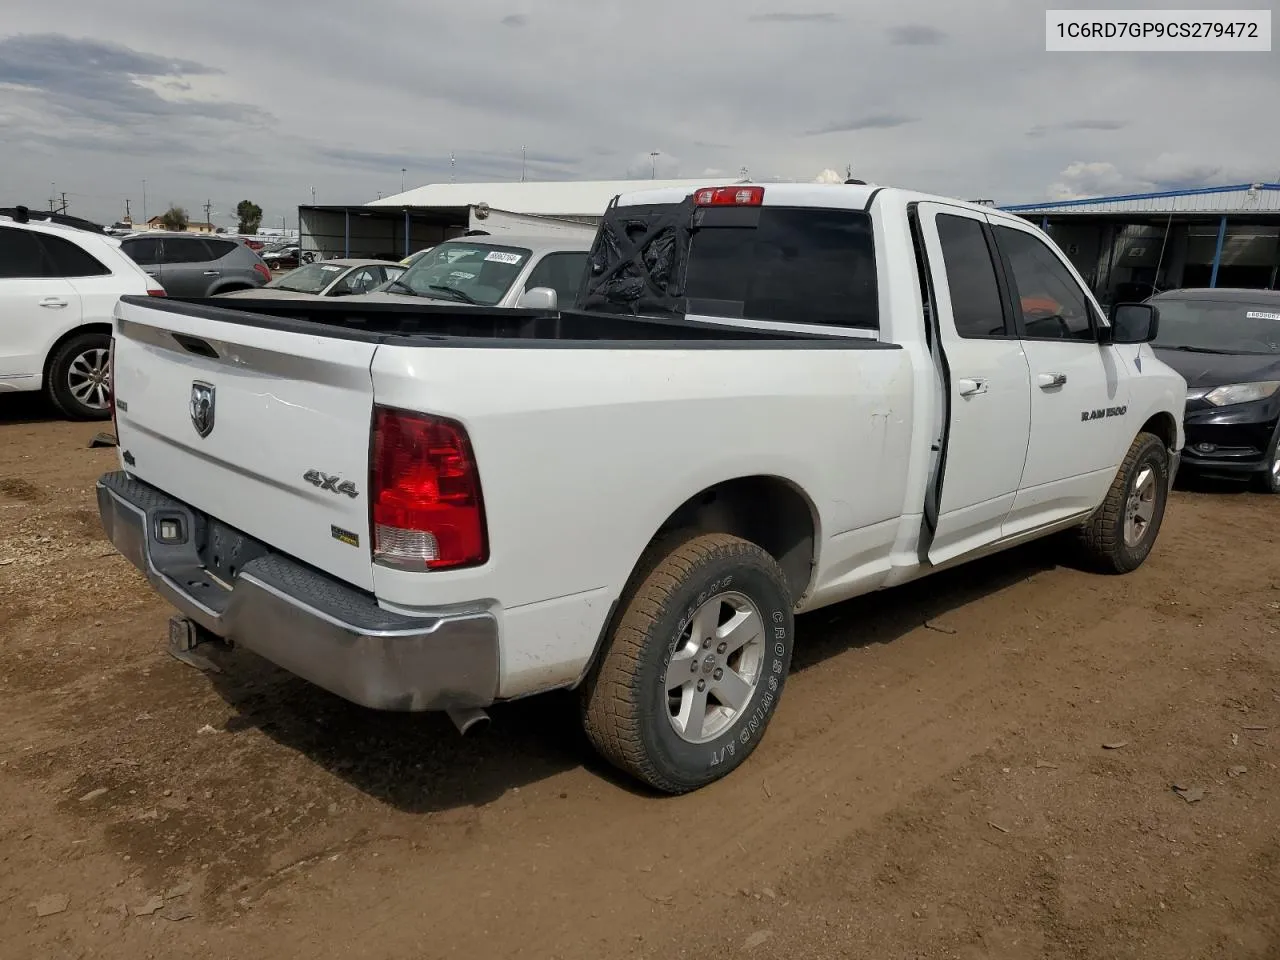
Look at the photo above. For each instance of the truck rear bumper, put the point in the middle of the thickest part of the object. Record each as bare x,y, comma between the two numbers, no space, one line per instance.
310,624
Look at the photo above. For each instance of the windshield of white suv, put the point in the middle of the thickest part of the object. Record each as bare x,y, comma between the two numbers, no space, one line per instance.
1218,326
311,278
478,273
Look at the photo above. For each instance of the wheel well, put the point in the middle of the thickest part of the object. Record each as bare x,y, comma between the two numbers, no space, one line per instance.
1163,426
57,344
768,511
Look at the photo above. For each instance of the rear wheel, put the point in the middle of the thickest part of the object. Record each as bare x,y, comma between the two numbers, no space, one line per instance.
695,665
79,382
1121,533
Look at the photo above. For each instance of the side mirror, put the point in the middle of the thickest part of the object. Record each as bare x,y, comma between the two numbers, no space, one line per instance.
1132,323
539,298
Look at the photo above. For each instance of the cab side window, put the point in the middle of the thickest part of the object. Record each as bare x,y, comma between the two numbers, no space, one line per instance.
976,303
1050,303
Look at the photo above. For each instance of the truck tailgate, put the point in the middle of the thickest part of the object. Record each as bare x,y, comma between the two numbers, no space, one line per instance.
263,429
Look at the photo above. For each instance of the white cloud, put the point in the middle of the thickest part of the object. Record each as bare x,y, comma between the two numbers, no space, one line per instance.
976,107
829,176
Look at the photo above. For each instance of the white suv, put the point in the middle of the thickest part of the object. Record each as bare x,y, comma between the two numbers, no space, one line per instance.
58,290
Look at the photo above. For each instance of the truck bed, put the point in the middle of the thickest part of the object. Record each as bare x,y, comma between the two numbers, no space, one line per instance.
446,324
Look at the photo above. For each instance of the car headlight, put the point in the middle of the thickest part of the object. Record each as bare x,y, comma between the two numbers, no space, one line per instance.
1230,393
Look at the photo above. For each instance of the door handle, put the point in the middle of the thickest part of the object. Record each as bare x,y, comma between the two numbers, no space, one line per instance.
53,303
971,387
1050,380
213,273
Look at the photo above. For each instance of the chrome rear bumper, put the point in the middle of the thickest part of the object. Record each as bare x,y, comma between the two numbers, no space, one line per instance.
312,625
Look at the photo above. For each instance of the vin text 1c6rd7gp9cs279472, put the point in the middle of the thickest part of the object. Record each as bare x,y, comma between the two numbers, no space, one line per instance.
765,399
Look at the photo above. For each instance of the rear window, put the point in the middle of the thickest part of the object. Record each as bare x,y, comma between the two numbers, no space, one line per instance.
220,248
792,265
70,260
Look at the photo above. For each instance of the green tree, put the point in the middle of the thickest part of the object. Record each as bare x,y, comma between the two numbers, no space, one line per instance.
250,215
175,218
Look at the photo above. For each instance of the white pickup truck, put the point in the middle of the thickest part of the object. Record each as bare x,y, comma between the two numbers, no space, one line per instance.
766,400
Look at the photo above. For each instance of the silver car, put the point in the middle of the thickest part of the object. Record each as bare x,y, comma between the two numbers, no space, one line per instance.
329,278
495,271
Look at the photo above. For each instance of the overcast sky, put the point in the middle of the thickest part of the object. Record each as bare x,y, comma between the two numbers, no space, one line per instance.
249,99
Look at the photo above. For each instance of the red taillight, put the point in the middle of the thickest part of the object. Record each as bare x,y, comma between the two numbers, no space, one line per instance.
261,269
729,197
427,510
155,291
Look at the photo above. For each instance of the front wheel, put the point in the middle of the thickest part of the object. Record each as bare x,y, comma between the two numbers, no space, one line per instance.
696,663
1120,534
79,382
1269,480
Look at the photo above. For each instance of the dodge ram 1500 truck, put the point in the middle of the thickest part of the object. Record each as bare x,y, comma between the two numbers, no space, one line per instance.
765,399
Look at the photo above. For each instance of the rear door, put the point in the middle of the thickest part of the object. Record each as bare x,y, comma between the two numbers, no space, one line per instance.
1079,399
987,384
247,423
36,305
188,270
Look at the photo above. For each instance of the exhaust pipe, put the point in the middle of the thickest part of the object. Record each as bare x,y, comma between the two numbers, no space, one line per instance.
467,718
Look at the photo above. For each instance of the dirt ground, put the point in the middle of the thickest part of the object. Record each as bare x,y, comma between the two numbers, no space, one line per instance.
978,765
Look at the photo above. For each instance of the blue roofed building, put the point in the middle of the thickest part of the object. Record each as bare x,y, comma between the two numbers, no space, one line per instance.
1129,246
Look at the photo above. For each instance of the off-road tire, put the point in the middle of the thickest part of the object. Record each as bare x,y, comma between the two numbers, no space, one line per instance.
623,698
1101,540
56,387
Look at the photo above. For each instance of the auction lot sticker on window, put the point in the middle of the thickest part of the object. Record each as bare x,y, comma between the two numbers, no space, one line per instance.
1158,31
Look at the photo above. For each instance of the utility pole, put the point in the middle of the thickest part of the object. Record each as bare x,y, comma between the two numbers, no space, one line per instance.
451,166
144,201
53,189
63,209
127,217
208,205
523,164
653,164
402,173
313,196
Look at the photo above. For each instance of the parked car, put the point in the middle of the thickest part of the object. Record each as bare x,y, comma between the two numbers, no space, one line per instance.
493,272
1226,343
414,257
59,286
287,257
192,265
330,278
786,396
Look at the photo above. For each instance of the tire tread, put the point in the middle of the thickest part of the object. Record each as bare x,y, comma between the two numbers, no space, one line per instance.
612,694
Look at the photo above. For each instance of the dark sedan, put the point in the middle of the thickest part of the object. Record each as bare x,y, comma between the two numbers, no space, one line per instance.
1226,343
